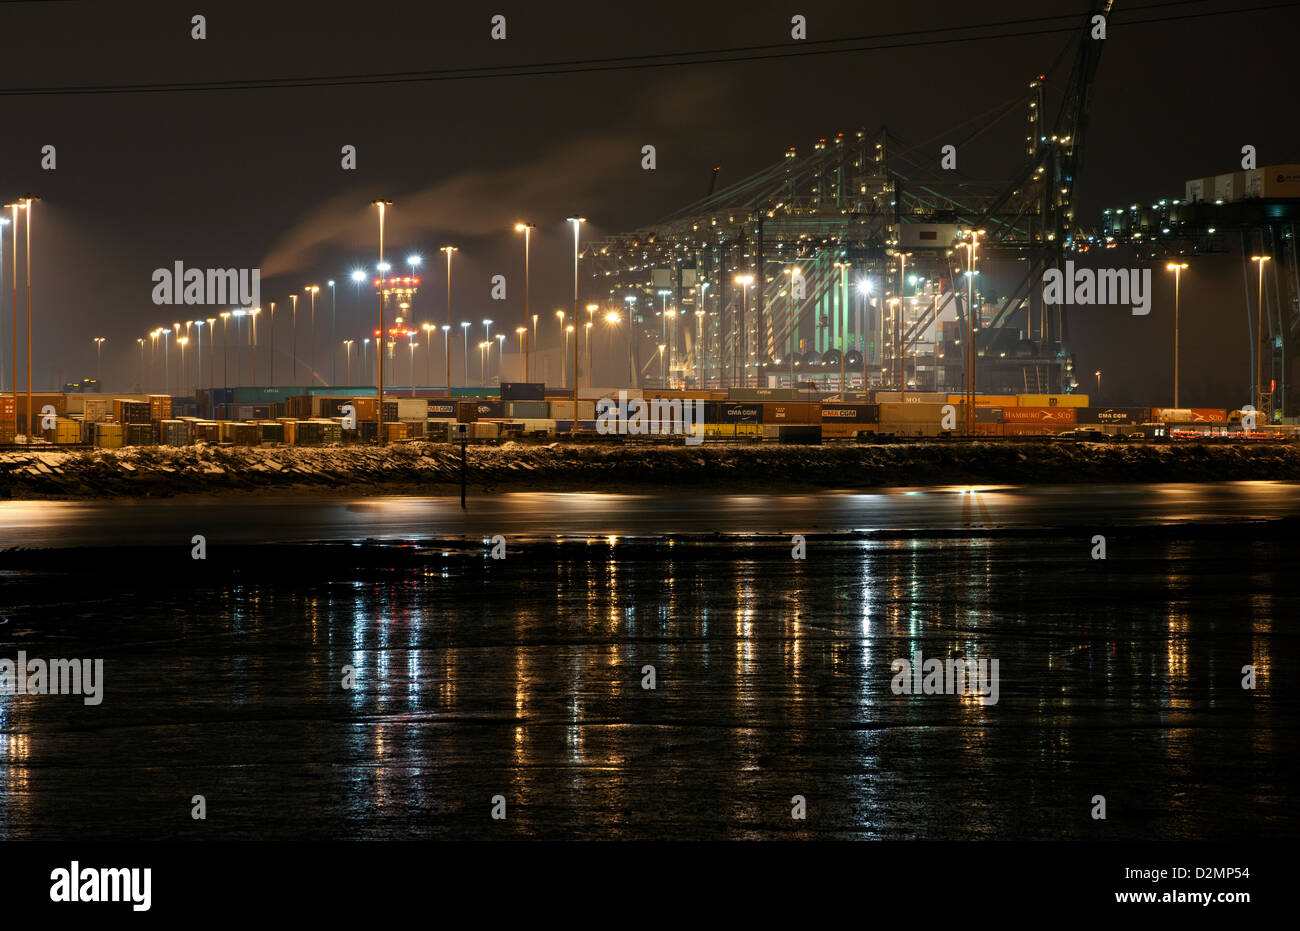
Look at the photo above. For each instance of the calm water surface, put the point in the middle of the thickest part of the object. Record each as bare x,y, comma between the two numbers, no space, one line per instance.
522,677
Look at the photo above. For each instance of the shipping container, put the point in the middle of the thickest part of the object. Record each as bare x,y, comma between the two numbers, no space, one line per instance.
412,409
160,407
734,430
444,410
986,400
127,411
1277,181
109,435
350,391
763,394
1050,400
491,409
988,415
528,410
473,392
1039,415
894,412
271,431
395,431
484,430
563,410
96,410
140,434
268,395
331,433
912,397
850,413
208,431
1196,190
67,432
176,432
523,391
1105,415
1188,415
792,412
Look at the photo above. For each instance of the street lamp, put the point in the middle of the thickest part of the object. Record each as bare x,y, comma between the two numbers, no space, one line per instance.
1177,269
449,250
1259,334
501,341
429,329
464,329
1098,374
564,378
293,325
334,335
99,360
794,272
15,207
347,345
744,281
198,357
902,325
527,230
577,223
383,205
365,356
225,349
482,365
182,341
311,353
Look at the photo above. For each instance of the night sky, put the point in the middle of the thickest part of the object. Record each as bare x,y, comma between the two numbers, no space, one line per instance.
252,178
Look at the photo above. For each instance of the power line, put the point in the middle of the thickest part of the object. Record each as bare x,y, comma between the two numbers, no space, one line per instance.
629,63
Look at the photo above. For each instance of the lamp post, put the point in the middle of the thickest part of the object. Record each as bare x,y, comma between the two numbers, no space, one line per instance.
577,223
844,317
446,342
198,356
564,378
293,325
744,281
449,250
902,325
661,365
271,376
501,342
591,319
182,341
15,207
99,361
358,276
1098,374
482,365
28,200
1177,269
311,345
347,346
365,356
527,230
794,272
413,345
704,286
429,330
334,321
464,330
225,349
699,344
252,338
383,205
1259,334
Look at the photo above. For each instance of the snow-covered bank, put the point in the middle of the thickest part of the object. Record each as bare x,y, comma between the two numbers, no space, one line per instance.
415,467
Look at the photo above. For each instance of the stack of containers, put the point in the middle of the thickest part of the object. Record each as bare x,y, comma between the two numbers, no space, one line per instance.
140,434
176,432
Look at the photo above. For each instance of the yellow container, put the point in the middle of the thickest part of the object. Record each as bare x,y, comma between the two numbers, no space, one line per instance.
1051,400
108,435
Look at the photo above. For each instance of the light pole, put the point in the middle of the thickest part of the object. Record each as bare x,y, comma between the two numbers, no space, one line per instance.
661,365
212,346
702,310
311,339
1177,269
520,332
794,273
379,392
271,376
449,250
358,276
411,363
564,378
482,365
902,325
167,376
591,319
577,224
334,322
225,349
464,330
182,341
15,208
140,342
672,335
1098,374
699,344
99,361
28,200
527,230
744,281
1259,335
347,345
293,325
365,357
429,330
844,316
252,338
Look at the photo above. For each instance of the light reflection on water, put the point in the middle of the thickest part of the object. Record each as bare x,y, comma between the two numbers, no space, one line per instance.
523,677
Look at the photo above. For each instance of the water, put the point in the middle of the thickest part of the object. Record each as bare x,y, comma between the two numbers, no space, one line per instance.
522,677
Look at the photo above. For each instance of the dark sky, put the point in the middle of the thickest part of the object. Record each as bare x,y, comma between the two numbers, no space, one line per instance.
251,178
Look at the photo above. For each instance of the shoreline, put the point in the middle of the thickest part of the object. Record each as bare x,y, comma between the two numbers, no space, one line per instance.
434,468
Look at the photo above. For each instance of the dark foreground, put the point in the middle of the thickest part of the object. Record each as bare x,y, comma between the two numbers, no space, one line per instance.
523,678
